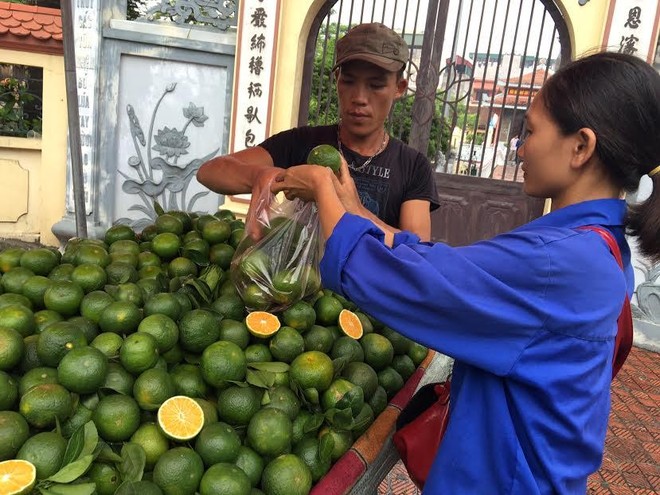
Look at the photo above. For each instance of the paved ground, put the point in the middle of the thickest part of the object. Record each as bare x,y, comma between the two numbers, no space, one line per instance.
631,464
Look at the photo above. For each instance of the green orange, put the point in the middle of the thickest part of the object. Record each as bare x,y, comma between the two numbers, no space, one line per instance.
14,431
222,362
312,369
58,339
325,155
64,297
45,404
269,432
286,475
83,370
116,417
12,348
217,442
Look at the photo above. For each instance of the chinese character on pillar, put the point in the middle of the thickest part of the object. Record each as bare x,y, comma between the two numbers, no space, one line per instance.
631,28
258,22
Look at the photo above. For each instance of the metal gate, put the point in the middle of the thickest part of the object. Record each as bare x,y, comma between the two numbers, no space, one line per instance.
474,67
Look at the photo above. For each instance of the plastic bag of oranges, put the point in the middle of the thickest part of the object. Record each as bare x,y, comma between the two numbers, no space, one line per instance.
277,262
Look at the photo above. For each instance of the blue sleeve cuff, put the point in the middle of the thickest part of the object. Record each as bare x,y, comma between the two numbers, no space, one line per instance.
404,237
340,244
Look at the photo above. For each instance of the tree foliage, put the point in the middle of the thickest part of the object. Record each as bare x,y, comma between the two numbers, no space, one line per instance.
53,4
134,9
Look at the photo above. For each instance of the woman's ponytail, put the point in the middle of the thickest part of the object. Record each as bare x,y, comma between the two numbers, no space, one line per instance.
644,220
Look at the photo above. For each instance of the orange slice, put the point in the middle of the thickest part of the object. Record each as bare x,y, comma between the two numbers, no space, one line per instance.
350,324
262,323
180,417
17,477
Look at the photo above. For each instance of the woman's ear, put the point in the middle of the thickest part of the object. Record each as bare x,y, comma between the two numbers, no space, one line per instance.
584,147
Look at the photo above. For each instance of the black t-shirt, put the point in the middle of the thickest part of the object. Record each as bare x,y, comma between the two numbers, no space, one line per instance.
398,174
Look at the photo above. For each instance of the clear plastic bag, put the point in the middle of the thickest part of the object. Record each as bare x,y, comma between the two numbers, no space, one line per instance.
277,262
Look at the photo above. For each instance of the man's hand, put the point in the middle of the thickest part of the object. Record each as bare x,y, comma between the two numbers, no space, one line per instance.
257,215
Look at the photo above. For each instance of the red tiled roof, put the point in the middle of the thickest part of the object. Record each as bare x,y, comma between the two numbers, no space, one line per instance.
512,100
538,77
520,90
30,28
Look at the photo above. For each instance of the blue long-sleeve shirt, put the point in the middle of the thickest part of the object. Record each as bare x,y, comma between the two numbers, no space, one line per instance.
530,318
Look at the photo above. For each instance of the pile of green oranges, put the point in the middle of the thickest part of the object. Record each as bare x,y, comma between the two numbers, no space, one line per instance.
213,398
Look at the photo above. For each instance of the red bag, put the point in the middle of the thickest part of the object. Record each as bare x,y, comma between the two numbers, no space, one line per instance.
418,434
422,423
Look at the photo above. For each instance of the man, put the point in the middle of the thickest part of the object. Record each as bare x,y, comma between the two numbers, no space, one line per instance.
394,182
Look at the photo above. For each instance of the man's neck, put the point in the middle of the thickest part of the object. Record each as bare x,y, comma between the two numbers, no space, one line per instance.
364,145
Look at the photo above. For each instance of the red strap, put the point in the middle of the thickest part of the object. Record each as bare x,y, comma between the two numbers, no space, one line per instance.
624,335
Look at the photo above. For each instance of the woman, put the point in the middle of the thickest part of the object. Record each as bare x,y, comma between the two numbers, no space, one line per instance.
530,316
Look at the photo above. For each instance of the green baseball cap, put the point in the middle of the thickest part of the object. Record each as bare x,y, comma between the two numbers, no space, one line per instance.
374,43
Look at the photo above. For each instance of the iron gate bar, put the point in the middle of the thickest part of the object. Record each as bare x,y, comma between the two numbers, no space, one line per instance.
329,79
522,64
483,80
534,69
451,71
397,107
427,82
461,83
470,85
500,122
310,55
321,67
502,107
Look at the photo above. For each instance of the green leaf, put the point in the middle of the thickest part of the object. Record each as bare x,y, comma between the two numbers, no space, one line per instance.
211,276
106,454
163,282
133,460
265,399
254,378
362,419
202,289
158,209
313,423
326,446
80,489
354,399
267,377
73,471
339,364
128,488
91,401
273,367
238,384
195,256
340,418
91,439
74,446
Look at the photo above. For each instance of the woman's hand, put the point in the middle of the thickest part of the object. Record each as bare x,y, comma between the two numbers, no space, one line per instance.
346,190
302,181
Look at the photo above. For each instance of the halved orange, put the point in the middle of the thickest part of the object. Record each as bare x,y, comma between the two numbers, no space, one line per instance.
17,477
350,324
180,417
262,323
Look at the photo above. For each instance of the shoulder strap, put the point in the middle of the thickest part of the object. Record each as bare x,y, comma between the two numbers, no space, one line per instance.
624,335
